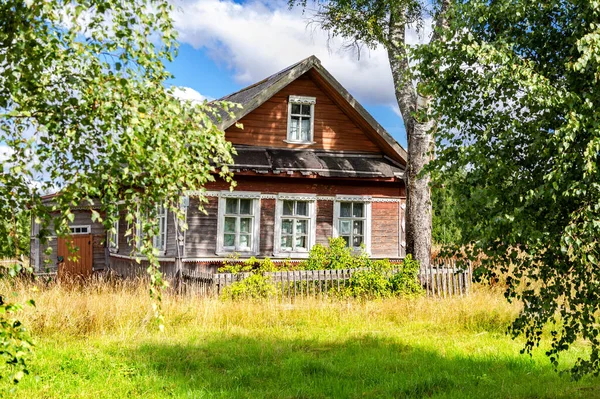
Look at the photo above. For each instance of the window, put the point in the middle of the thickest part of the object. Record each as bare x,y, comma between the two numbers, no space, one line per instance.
352,222
160,240
301,119
80,229
113,236
295,224
238,224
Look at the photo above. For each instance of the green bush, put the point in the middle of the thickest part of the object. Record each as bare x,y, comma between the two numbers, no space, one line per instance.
255,286
336,256
383,279
376,279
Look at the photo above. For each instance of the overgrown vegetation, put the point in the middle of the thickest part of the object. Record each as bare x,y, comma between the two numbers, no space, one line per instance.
14,235
100,340
375,279
85,109
517,91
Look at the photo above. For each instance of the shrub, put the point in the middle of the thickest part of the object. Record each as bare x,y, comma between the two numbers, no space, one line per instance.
336,256
255,286
405,282
384,279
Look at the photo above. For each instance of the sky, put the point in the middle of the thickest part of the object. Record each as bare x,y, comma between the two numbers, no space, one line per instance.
227,45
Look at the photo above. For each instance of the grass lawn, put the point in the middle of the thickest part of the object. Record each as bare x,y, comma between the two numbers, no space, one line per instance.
100,342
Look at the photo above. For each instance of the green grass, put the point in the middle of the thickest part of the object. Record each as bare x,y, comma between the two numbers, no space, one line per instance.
101,343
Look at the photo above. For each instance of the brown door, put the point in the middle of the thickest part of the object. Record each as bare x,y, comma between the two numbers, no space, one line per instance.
78,263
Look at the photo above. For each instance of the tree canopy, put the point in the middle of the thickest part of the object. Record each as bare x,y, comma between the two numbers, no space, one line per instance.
84,110
517,92
384,23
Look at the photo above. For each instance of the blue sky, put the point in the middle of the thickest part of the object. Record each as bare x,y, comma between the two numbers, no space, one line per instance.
227,45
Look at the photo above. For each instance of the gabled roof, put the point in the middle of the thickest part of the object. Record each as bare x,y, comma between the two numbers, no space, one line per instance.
257,94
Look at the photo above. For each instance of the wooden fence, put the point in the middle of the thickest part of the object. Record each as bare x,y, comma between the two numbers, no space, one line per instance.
444,278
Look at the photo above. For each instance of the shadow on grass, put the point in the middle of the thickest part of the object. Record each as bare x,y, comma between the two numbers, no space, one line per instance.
244,367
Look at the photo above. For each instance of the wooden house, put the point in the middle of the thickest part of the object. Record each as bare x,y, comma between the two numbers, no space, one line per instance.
312,164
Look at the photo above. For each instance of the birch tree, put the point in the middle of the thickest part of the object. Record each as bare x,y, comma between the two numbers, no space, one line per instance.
84,110
518,85
385,22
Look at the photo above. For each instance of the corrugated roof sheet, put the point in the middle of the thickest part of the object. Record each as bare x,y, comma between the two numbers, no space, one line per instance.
326,164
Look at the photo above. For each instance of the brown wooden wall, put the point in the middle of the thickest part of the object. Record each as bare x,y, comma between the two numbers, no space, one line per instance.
266,126
320,186
82,217
385,216
126,244
385,224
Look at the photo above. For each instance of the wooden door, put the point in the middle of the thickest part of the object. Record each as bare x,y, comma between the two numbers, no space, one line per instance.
78,263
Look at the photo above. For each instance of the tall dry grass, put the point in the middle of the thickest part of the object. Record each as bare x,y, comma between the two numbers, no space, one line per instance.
123,309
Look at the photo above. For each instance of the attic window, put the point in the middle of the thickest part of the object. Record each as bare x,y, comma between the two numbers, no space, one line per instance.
301,112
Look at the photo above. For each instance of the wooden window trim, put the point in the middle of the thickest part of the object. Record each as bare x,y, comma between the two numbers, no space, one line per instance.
113,246
366,200
80,226
312,219
302,100
255,247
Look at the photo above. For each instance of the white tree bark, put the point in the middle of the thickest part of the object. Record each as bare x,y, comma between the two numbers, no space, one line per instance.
419,135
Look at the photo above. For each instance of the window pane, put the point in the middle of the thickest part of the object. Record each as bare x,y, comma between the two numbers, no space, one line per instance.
356,241
244,241
229,240
295,108
357,227
286,242
245,225
294,128
302,208
306,109
231,206
345,226
245,207
346,209
346,239
357,209
301,226
301,242
287,226
229,225
288,208
305,134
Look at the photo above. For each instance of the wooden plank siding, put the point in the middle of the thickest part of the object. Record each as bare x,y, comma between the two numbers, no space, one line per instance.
126,243
82,217
384,229
385,216
266,126
320,186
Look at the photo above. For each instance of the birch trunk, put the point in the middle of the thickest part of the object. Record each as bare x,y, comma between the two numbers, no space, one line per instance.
420,144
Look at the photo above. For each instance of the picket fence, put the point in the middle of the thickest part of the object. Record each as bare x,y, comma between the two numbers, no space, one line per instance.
442,279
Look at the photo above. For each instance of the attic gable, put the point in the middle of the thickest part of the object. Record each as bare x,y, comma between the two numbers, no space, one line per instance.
349,126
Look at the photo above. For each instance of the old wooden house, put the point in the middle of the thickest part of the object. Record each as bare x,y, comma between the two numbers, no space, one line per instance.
312,163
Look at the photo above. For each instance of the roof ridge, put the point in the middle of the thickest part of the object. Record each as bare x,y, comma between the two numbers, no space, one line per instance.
312,59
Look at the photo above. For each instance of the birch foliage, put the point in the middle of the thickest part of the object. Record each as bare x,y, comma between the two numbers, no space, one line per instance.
517,89
84,110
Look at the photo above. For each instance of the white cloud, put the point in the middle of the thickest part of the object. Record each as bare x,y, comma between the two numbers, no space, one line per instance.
259,38
5,153
187,93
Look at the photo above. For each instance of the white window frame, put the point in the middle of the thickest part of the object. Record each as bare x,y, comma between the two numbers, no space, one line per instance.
162,214
80,226
301,100
113,245
312,223
159,241
255,246
366,200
